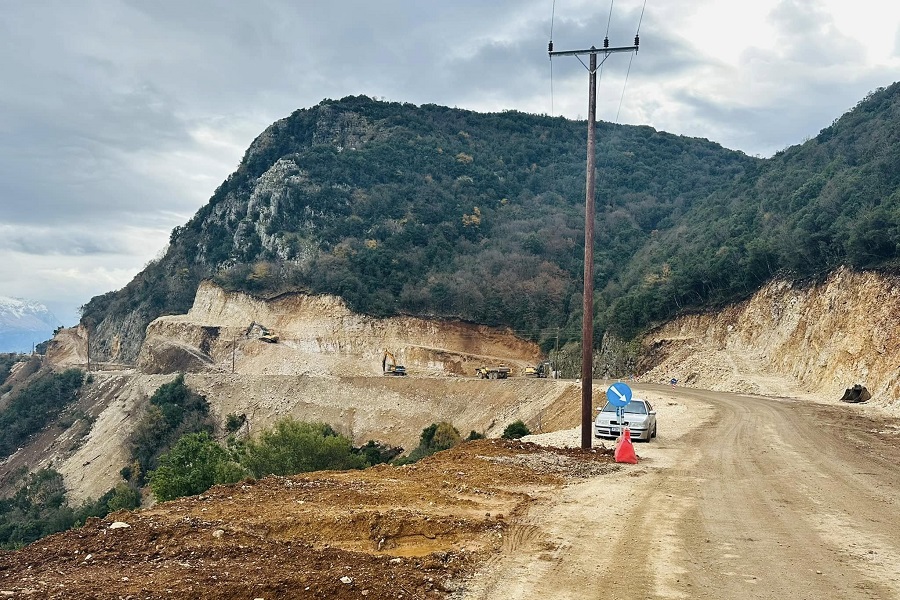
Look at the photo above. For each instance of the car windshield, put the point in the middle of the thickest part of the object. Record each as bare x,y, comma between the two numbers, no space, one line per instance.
635,407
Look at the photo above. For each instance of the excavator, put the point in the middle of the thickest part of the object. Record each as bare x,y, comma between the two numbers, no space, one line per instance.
389,365
541,371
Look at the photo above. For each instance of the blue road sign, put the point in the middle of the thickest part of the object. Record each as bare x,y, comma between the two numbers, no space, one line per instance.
619,394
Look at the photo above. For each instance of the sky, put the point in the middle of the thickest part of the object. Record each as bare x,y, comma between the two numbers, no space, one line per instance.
119,118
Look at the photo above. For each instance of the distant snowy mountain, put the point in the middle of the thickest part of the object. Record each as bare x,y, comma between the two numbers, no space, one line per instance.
24,323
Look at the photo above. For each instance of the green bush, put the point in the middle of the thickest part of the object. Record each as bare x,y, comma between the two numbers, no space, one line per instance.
196,461
445,436
39,508
376,453
434,438
175,410
193,465
296,447
233,422
515,430
123,497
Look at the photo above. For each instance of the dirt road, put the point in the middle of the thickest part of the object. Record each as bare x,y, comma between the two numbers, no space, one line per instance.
740,497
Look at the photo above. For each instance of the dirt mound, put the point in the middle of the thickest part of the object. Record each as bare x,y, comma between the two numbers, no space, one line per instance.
68,347
414,532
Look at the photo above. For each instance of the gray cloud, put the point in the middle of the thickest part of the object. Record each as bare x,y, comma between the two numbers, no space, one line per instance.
119,118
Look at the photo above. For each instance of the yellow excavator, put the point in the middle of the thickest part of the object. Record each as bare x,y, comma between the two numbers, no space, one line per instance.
389,365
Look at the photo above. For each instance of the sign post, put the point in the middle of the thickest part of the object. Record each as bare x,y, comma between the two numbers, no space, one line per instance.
619,395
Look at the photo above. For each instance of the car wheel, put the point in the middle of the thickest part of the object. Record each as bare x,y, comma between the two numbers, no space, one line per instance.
653,435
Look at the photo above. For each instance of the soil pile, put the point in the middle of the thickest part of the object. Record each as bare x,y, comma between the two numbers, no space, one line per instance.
387,532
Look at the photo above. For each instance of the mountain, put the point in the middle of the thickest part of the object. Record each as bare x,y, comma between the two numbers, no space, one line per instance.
24,323
433,211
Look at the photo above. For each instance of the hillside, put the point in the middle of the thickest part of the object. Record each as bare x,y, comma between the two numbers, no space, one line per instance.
789,340
810,340
426,211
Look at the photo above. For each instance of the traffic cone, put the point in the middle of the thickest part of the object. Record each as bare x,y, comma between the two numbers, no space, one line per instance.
625,449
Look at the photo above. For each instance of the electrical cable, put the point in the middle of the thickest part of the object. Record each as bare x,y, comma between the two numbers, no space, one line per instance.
641,18
630,60
609,20
622,99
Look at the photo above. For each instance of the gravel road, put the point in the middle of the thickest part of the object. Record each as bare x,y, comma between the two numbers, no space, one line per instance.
739,497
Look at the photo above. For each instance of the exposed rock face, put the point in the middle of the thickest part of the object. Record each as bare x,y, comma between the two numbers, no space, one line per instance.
297,334
312,358
68,347
819,339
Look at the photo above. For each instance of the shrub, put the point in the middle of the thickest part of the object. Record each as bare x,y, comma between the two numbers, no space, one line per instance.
377,453
296,447
435,437
515,431
193,465
124,497
445,436
175,410
233,422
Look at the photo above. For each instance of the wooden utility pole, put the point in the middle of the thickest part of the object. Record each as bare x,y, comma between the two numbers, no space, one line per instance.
587,325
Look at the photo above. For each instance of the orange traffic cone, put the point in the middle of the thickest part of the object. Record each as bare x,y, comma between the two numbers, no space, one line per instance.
625,449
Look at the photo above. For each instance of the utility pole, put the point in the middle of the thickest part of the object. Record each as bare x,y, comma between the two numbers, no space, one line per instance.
587,326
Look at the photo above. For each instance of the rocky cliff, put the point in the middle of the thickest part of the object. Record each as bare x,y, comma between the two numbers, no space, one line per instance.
299,334
790,338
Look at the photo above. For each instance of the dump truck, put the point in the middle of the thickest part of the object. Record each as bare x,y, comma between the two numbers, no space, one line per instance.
498,372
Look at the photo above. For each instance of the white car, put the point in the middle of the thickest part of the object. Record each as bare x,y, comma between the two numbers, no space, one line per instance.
640,418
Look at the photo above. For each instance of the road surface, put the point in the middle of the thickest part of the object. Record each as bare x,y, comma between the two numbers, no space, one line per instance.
739,497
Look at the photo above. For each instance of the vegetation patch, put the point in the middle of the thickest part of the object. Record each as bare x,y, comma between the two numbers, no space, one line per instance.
37,405
40,507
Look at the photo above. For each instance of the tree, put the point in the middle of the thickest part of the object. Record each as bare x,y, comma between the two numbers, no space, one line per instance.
434,438
193,465
296,447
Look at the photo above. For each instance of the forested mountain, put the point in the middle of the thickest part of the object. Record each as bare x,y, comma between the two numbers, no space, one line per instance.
438,211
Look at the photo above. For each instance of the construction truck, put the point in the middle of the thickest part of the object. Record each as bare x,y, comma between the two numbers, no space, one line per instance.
541,371
498,372
390,367
544,370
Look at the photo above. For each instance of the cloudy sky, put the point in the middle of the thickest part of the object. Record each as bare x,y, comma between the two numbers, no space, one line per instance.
119,118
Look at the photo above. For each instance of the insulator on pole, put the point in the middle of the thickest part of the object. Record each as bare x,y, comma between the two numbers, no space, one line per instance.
606,42
637,41
550,46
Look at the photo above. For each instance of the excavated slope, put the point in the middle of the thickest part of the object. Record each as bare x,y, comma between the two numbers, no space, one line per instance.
788,338
318,336
308,357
